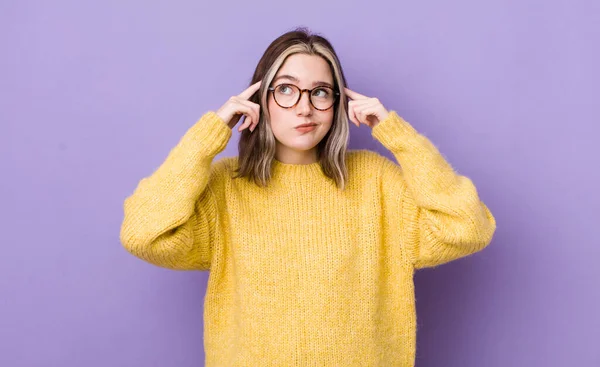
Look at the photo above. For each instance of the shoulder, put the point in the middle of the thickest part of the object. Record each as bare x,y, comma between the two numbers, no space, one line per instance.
225,163
223,168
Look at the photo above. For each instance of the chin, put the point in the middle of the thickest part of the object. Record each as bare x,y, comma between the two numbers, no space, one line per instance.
300,144
302,147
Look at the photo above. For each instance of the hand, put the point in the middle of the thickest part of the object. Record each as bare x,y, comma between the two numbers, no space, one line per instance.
239,105
363,109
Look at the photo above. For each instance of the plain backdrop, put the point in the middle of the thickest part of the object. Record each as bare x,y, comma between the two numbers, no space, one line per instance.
93,95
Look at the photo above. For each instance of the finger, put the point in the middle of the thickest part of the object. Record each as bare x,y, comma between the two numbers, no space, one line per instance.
254,123
363,104
352,94
247,122
254,120
251,109
367,111
362,112
355,107
360,103
353,117
249,114
250,90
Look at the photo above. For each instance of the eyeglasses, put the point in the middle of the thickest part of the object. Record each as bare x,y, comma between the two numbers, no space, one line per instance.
288,95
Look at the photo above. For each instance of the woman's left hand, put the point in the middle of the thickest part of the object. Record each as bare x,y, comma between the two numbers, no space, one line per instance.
365,110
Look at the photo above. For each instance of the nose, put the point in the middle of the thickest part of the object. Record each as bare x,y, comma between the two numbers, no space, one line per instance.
304,107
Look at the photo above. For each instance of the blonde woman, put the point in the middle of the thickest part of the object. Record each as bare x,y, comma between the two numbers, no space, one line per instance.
311,247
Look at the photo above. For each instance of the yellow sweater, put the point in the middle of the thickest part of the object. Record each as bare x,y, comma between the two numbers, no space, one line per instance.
301,273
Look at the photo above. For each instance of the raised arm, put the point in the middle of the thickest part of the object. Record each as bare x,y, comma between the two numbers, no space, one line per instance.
169,220
440,215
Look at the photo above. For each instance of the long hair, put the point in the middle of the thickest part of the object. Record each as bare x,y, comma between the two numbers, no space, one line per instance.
257,149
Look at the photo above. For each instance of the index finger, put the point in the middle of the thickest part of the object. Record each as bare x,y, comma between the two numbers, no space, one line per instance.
250,90
352,94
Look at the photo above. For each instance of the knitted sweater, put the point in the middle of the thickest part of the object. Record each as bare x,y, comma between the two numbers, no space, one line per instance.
302,273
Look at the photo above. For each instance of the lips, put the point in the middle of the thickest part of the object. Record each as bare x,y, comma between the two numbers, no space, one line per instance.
306,125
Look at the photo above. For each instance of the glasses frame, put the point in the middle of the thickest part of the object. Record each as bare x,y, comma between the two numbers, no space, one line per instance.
337,94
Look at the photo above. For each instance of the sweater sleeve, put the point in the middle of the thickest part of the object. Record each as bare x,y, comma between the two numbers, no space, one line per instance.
441,217
169,220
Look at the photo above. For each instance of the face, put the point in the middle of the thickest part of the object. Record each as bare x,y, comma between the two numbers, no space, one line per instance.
305,72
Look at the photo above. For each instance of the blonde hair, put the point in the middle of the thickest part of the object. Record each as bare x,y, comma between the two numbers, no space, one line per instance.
257,149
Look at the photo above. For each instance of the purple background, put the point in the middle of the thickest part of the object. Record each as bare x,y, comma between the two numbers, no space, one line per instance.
94,95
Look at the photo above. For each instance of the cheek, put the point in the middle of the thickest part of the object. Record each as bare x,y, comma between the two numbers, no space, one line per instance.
277,114
277,119
327,118
274,111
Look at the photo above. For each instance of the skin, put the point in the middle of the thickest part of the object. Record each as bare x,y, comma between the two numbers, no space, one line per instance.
293,146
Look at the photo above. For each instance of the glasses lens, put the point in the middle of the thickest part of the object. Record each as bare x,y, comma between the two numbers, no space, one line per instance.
322,98
286,94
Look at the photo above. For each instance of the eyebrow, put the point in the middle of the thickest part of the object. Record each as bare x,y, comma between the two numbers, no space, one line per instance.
294,79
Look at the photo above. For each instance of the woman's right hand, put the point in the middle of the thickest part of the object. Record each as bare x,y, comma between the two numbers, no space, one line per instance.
239,105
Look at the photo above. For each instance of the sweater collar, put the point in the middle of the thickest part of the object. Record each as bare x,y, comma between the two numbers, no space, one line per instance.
296,170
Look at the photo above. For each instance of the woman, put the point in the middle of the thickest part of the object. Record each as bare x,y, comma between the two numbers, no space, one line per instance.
311,248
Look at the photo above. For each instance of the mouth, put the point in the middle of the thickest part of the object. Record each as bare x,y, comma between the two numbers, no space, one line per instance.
310,124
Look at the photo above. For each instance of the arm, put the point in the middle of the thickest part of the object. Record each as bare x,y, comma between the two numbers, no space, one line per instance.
169,220
441,215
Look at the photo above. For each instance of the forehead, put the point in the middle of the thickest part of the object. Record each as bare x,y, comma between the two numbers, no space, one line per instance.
306,68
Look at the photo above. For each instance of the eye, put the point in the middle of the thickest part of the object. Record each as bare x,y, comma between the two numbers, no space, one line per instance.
285,89
321,92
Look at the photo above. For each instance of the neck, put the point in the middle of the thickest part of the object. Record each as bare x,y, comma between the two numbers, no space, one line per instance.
290,156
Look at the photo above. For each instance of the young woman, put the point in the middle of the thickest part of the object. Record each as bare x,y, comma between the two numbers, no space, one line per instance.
311,247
